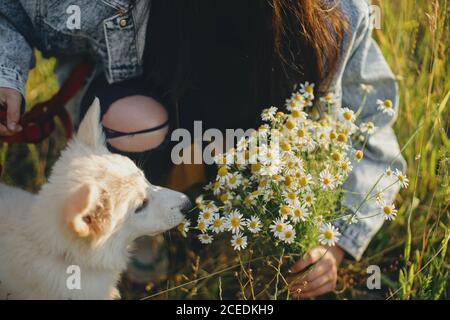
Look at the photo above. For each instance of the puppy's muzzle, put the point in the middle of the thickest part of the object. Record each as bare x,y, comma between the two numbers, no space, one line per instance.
186,205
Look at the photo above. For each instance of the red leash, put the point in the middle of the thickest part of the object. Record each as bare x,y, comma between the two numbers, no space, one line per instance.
39,123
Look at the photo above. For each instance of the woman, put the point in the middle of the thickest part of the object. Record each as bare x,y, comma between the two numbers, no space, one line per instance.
165,63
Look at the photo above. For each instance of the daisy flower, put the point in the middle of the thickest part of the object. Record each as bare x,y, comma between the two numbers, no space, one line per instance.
291,198
388,210
327,180
346,115
386,106
202,225
183,227
329,235
299,213
234,181
368,127
351,219
223,174
217,223
346,166
269,114
402,179
328,99
309,198
235,222
205,238
288,234
206,215
278,226
254,224
366,88
239,241
307,89
388,173
284,211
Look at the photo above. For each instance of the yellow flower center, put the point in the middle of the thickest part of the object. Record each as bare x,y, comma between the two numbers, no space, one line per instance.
328,234
342,137
253,224
238,241
301,133
336,156
308,198
288,181
279,227
298,212
298,97
217,223
201,226
303,181
387,209
233,179
223,171
388,103
290,124
224,197
296,113
216,185
359,155
333,135
235,222
206,215
256,167
285,146
288,234
292,196
309,89
347,115
326,180
284,210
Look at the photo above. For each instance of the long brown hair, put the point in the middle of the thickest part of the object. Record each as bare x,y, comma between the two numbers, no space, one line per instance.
292,41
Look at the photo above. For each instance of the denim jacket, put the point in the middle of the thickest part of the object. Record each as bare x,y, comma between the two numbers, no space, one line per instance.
113,35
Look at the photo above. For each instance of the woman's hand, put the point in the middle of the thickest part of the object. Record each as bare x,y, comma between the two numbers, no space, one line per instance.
11,99
321,278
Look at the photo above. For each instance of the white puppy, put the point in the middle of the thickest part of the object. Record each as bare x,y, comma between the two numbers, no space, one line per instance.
72,239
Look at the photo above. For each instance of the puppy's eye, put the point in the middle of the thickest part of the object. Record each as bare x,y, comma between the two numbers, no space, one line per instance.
142,206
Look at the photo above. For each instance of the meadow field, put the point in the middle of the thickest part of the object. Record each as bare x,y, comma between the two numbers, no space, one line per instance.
411,252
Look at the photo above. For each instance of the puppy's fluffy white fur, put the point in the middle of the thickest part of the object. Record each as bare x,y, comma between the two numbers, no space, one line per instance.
88,214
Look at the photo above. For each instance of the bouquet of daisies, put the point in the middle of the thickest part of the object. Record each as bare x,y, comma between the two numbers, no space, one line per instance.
280,189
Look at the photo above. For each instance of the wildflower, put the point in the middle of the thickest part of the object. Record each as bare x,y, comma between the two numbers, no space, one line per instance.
285,210
183,227
329,234
402,179
217,223
308,199
328,99
299,213
291,198
307,89
234,180
366,88
205,238
346,166
278,226
327,180
235,222
368,127
222,174
239,241
359,155
389,173
388,210
386,106
288,234
206,215
202,225
254,224
269,114
346,115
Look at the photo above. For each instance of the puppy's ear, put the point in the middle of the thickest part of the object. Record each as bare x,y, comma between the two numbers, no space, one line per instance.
90,131
88,211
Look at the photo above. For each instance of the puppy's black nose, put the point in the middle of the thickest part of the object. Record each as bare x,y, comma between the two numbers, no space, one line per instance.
186,205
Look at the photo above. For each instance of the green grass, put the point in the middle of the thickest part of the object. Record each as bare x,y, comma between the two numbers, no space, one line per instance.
412,251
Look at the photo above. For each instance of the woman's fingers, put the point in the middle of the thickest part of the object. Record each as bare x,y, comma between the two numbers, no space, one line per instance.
316,283
327,287
13,101
311,257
